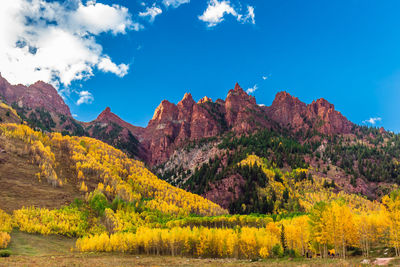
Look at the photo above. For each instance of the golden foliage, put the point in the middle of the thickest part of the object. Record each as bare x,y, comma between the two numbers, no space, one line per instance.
120,175
5,106
222,221
5,228
5,222
4,239
66,221
243,243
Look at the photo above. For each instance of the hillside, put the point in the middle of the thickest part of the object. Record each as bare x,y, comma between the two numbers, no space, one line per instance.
78,165
42,108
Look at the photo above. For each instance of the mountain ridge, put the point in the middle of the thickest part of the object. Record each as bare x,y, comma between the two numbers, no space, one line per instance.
175,124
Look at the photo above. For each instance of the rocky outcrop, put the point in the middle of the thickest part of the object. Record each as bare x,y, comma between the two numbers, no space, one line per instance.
110,128
108,117
204,100
226,191
326,119
173,125
38,95
321,115
288,111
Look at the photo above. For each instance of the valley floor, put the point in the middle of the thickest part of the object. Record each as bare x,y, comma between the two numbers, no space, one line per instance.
130,260
43,251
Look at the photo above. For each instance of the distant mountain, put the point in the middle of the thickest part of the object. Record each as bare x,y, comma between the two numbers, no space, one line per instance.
111,129
38,95
43,108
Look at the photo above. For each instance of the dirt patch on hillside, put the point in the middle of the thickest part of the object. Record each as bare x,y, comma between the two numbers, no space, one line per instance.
20,187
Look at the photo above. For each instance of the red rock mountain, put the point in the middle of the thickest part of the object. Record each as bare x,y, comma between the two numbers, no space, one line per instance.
290,112
107,116
38,95
174,125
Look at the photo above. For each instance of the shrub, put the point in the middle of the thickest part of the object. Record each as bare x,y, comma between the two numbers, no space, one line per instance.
5,253
98,202
4,239
277,250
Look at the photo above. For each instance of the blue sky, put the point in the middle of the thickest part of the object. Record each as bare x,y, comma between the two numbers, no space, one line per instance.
346,51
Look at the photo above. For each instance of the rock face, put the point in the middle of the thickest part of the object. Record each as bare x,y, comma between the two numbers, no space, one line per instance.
110,128
290,112
108,117
38,95
330,120
173,125
226,191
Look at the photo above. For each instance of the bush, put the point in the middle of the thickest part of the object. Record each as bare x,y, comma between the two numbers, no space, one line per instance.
291,253
277,251
5,253
4,240
98,202
118,203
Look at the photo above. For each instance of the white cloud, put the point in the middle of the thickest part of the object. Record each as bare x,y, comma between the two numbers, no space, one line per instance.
264,77
175,3
372,121
151,12
85,97
56,42
261,105
96,18
216,11
75,115
250,17
107,65
252,89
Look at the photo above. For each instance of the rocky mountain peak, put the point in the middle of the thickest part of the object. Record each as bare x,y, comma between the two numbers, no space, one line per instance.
44,95
37,95
284,98
289,111
41,84
187,101
204,100
239,96
237,88
323,103
165,111
105,115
